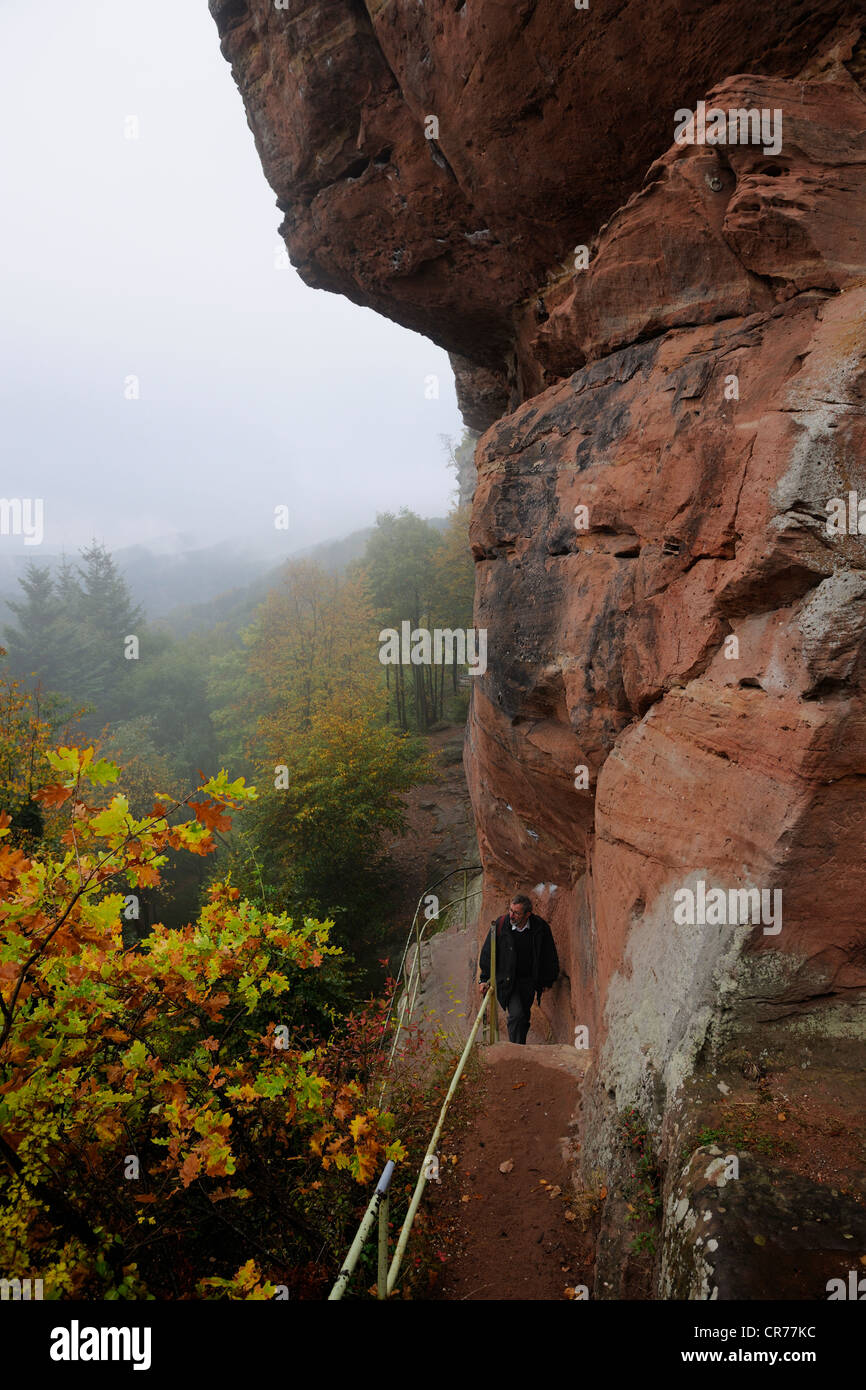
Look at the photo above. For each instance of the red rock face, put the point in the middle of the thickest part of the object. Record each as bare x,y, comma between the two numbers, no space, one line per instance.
665,607
545,125
674,701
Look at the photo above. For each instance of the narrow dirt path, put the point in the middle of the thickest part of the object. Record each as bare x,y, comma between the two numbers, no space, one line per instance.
511,1228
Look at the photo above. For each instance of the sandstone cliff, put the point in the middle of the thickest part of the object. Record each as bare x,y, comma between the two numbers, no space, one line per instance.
674,701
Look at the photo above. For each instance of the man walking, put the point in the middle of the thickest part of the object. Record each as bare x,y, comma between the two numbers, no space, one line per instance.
526,963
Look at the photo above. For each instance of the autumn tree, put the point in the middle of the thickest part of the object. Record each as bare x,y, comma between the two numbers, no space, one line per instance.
162,1116
312,705
425,576
319,826
398,567
29,720
453,591
312,646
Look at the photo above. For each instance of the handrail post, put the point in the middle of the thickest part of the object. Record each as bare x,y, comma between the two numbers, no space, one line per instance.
378,1197
379,1202
494,1032
382,1280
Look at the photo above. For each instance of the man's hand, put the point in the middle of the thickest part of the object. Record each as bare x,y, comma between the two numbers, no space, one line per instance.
483,986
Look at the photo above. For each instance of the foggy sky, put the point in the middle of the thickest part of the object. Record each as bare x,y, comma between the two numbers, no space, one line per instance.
156,258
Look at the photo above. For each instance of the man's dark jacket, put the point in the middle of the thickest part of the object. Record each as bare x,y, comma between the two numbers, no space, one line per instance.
545,962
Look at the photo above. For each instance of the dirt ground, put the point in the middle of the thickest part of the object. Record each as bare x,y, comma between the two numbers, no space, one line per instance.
511,1228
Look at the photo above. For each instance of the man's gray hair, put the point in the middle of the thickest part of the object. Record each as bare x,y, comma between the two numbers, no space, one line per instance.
522,899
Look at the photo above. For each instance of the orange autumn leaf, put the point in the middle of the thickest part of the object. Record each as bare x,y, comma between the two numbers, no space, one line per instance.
360,1125
210,815
190,1168
53,795
145,876
343,1105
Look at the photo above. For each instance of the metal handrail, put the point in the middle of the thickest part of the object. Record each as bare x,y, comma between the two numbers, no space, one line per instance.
379,1201
431,1149
378,1205
412,985
465,869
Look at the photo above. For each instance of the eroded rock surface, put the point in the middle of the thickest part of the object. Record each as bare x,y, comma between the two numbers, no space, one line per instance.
675,692
546,120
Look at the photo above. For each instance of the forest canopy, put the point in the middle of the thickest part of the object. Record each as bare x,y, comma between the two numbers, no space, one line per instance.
193,969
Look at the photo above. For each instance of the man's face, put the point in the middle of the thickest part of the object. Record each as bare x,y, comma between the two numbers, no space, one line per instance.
518,913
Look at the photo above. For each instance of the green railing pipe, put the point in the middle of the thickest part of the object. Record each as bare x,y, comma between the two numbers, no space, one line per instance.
494,1020
379,1196
411,987
431,1150
466,869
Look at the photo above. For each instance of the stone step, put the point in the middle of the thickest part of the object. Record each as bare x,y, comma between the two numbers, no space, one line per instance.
560,1055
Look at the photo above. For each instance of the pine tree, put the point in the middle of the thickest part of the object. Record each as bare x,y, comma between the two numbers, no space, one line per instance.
44,646
29,643
104,597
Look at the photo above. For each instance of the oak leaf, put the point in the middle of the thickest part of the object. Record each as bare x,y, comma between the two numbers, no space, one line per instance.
53,795
210,815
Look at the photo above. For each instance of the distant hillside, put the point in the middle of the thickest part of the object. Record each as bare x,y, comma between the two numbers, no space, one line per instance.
236,606
195,588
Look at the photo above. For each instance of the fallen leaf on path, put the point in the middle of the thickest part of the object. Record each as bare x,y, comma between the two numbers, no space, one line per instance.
518,1086
782,1116
465,1198
554,1191
507,1166
603,1193
569,1216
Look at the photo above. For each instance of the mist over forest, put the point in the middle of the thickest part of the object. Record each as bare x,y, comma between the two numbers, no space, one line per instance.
432,611
218,804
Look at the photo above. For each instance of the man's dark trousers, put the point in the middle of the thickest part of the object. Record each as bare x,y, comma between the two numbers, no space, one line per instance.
519,1009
